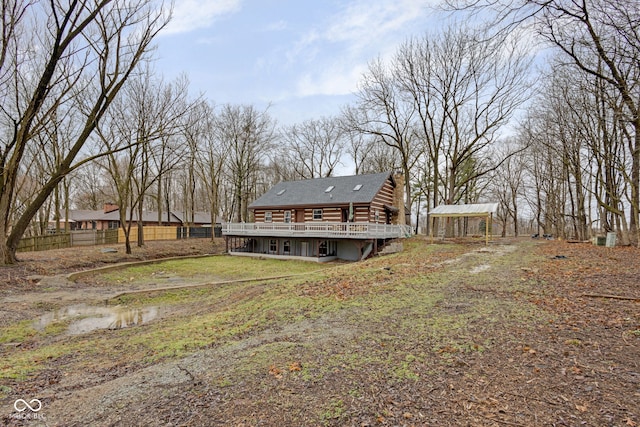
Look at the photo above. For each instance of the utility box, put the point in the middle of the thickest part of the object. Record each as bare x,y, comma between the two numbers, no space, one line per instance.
611,239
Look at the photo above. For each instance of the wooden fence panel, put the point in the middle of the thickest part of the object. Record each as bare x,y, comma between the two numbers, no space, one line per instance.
108,237
99,237
84,238
65,240
44,243
151,232
94,237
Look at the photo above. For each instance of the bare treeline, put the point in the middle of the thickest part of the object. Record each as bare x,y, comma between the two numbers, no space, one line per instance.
62,64
537,106
582,130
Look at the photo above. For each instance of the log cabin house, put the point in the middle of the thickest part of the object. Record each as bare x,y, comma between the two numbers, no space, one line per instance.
323,219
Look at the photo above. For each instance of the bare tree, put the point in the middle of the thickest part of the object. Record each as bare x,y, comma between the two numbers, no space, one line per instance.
558,107
358,147
507,185
138,137
603,129
279,166
464,88
314,147
89,187
546,170
600,38
210,153
85,52
380,158
248,135
169,118
381,112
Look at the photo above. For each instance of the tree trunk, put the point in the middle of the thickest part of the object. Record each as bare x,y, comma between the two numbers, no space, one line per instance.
140,225
159,199
67,225
7,252
635,184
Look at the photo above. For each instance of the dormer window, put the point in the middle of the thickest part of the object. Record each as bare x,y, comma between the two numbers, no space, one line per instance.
329,188
357,187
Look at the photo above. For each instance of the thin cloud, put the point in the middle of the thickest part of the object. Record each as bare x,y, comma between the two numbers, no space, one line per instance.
364,23
189,15
336,80
360,32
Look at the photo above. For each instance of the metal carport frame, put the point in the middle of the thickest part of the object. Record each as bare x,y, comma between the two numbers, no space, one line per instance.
471,210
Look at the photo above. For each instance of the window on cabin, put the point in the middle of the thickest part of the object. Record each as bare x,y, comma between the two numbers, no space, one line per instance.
286,247
273,246
329,188
268,216
317,214
357,187
287,216
281,192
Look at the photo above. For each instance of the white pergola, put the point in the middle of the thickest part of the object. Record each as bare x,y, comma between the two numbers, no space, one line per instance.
485,210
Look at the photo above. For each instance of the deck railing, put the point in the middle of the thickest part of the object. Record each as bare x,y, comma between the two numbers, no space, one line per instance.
343,230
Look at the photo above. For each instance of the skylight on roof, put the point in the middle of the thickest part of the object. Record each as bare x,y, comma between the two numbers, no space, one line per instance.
357,187
281,192
329,188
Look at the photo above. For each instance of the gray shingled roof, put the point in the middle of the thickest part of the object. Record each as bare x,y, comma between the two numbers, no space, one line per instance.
313,191
147,216
198,217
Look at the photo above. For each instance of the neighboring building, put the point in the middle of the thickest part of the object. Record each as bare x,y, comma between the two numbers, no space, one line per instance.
109,218
346,217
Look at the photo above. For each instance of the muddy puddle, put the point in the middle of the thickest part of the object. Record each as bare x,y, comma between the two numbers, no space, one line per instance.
84,318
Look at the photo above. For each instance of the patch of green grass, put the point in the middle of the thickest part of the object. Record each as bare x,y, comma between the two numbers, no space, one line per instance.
404,370
335,410
18,332
46,305
57,328
308,374
196,296
22,364
207,269
5,391
355,393
223,382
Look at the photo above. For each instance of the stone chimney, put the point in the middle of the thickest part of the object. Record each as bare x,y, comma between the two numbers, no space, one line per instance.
398,199
110,207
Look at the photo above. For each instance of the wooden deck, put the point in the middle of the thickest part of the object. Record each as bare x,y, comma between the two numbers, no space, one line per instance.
329,230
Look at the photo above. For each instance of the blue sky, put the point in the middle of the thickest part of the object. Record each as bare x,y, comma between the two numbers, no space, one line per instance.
305,57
